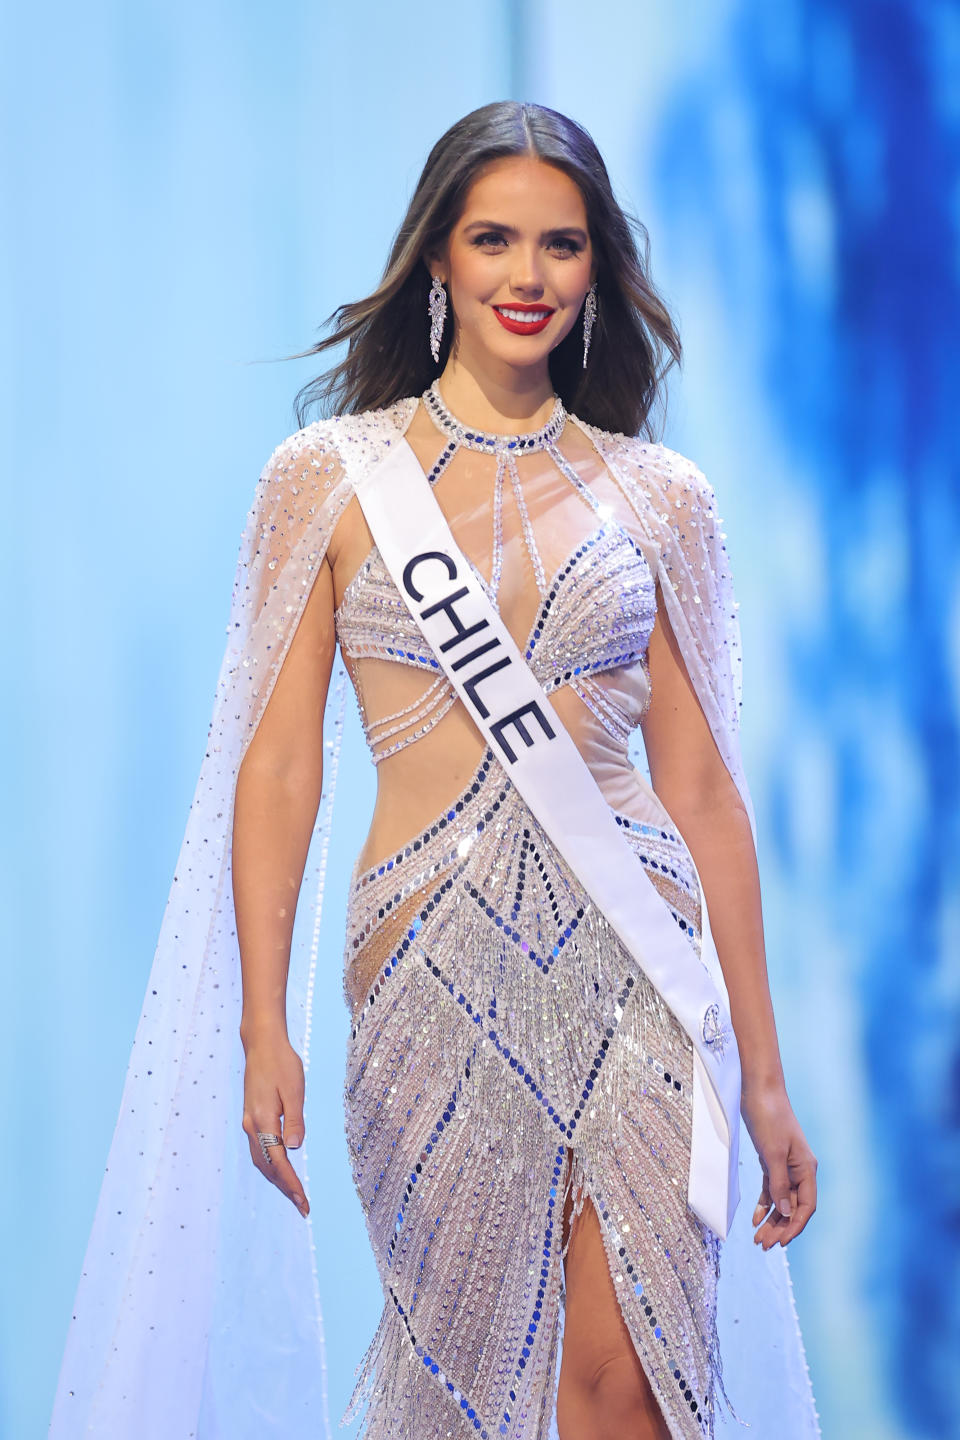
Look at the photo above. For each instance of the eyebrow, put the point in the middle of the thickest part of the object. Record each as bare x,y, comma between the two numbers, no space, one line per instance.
510,230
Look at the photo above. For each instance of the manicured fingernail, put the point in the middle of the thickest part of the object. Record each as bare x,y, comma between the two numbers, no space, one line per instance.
759,1213
785,1208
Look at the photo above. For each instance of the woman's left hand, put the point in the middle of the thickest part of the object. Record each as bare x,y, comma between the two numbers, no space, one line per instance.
789,1165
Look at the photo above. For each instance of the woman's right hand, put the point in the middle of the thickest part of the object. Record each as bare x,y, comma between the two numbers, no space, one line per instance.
273,1088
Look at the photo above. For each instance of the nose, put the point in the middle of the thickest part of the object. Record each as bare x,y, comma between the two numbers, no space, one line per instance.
526,280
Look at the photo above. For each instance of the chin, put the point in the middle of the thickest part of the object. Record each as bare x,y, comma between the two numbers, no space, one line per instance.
522,353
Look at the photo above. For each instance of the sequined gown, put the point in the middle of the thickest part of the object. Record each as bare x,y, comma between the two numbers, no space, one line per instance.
503,1046
504,1043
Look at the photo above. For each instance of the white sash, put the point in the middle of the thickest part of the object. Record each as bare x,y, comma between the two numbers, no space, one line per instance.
510,708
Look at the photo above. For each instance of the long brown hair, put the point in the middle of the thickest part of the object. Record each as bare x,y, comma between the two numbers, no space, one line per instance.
634,342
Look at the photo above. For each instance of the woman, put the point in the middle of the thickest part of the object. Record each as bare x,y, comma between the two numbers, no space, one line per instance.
519,1096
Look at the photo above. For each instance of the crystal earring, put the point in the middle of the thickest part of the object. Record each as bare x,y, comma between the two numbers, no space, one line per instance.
589,316
438,313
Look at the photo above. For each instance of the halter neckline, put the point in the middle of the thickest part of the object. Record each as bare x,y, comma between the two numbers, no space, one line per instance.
489,441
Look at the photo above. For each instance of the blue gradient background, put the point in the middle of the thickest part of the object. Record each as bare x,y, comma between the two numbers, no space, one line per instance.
189,189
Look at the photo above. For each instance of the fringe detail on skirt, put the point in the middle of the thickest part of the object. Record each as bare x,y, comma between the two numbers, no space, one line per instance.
507,1008
395,1394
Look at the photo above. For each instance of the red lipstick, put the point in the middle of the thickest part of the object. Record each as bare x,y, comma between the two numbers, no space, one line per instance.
540,318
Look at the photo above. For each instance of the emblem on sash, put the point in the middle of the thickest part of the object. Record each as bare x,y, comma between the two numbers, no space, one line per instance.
713,1030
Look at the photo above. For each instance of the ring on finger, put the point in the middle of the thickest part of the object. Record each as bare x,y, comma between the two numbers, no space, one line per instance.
266,1139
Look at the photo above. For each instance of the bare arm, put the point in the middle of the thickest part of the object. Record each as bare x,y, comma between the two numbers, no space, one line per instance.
277,797
688,774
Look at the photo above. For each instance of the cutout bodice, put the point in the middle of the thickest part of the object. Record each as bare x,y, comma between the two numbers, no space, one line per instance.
598,615
571,574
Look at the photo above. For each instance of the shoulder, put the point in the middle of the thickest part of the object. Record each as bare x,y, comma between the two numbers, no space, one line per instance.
310,477
681,478
311,448
665,475
338,447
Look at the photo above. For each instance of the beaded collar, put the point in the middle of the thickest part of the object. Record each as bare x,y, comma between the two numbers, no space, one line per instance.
489,441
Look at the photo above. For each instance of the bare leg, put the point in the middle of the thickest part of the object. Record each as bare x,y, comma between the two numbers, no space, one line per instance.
603,1392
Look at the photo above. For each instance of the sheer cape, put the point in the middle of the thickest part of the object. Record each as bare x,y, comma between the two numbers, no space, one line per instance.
197,1313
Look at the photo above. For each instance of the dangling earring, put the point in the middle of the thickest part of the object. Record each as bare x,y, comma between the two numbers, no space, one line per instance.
589,316
438,313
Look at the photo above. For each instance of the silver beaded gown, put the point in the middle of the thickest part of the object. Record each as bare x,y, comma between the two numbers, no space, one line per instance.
504,1048
505,1044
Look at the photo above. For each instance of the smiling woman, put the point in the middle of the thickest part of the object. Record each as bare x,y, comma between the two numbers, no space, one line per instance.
532,281
513,275
542,1088
387,357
